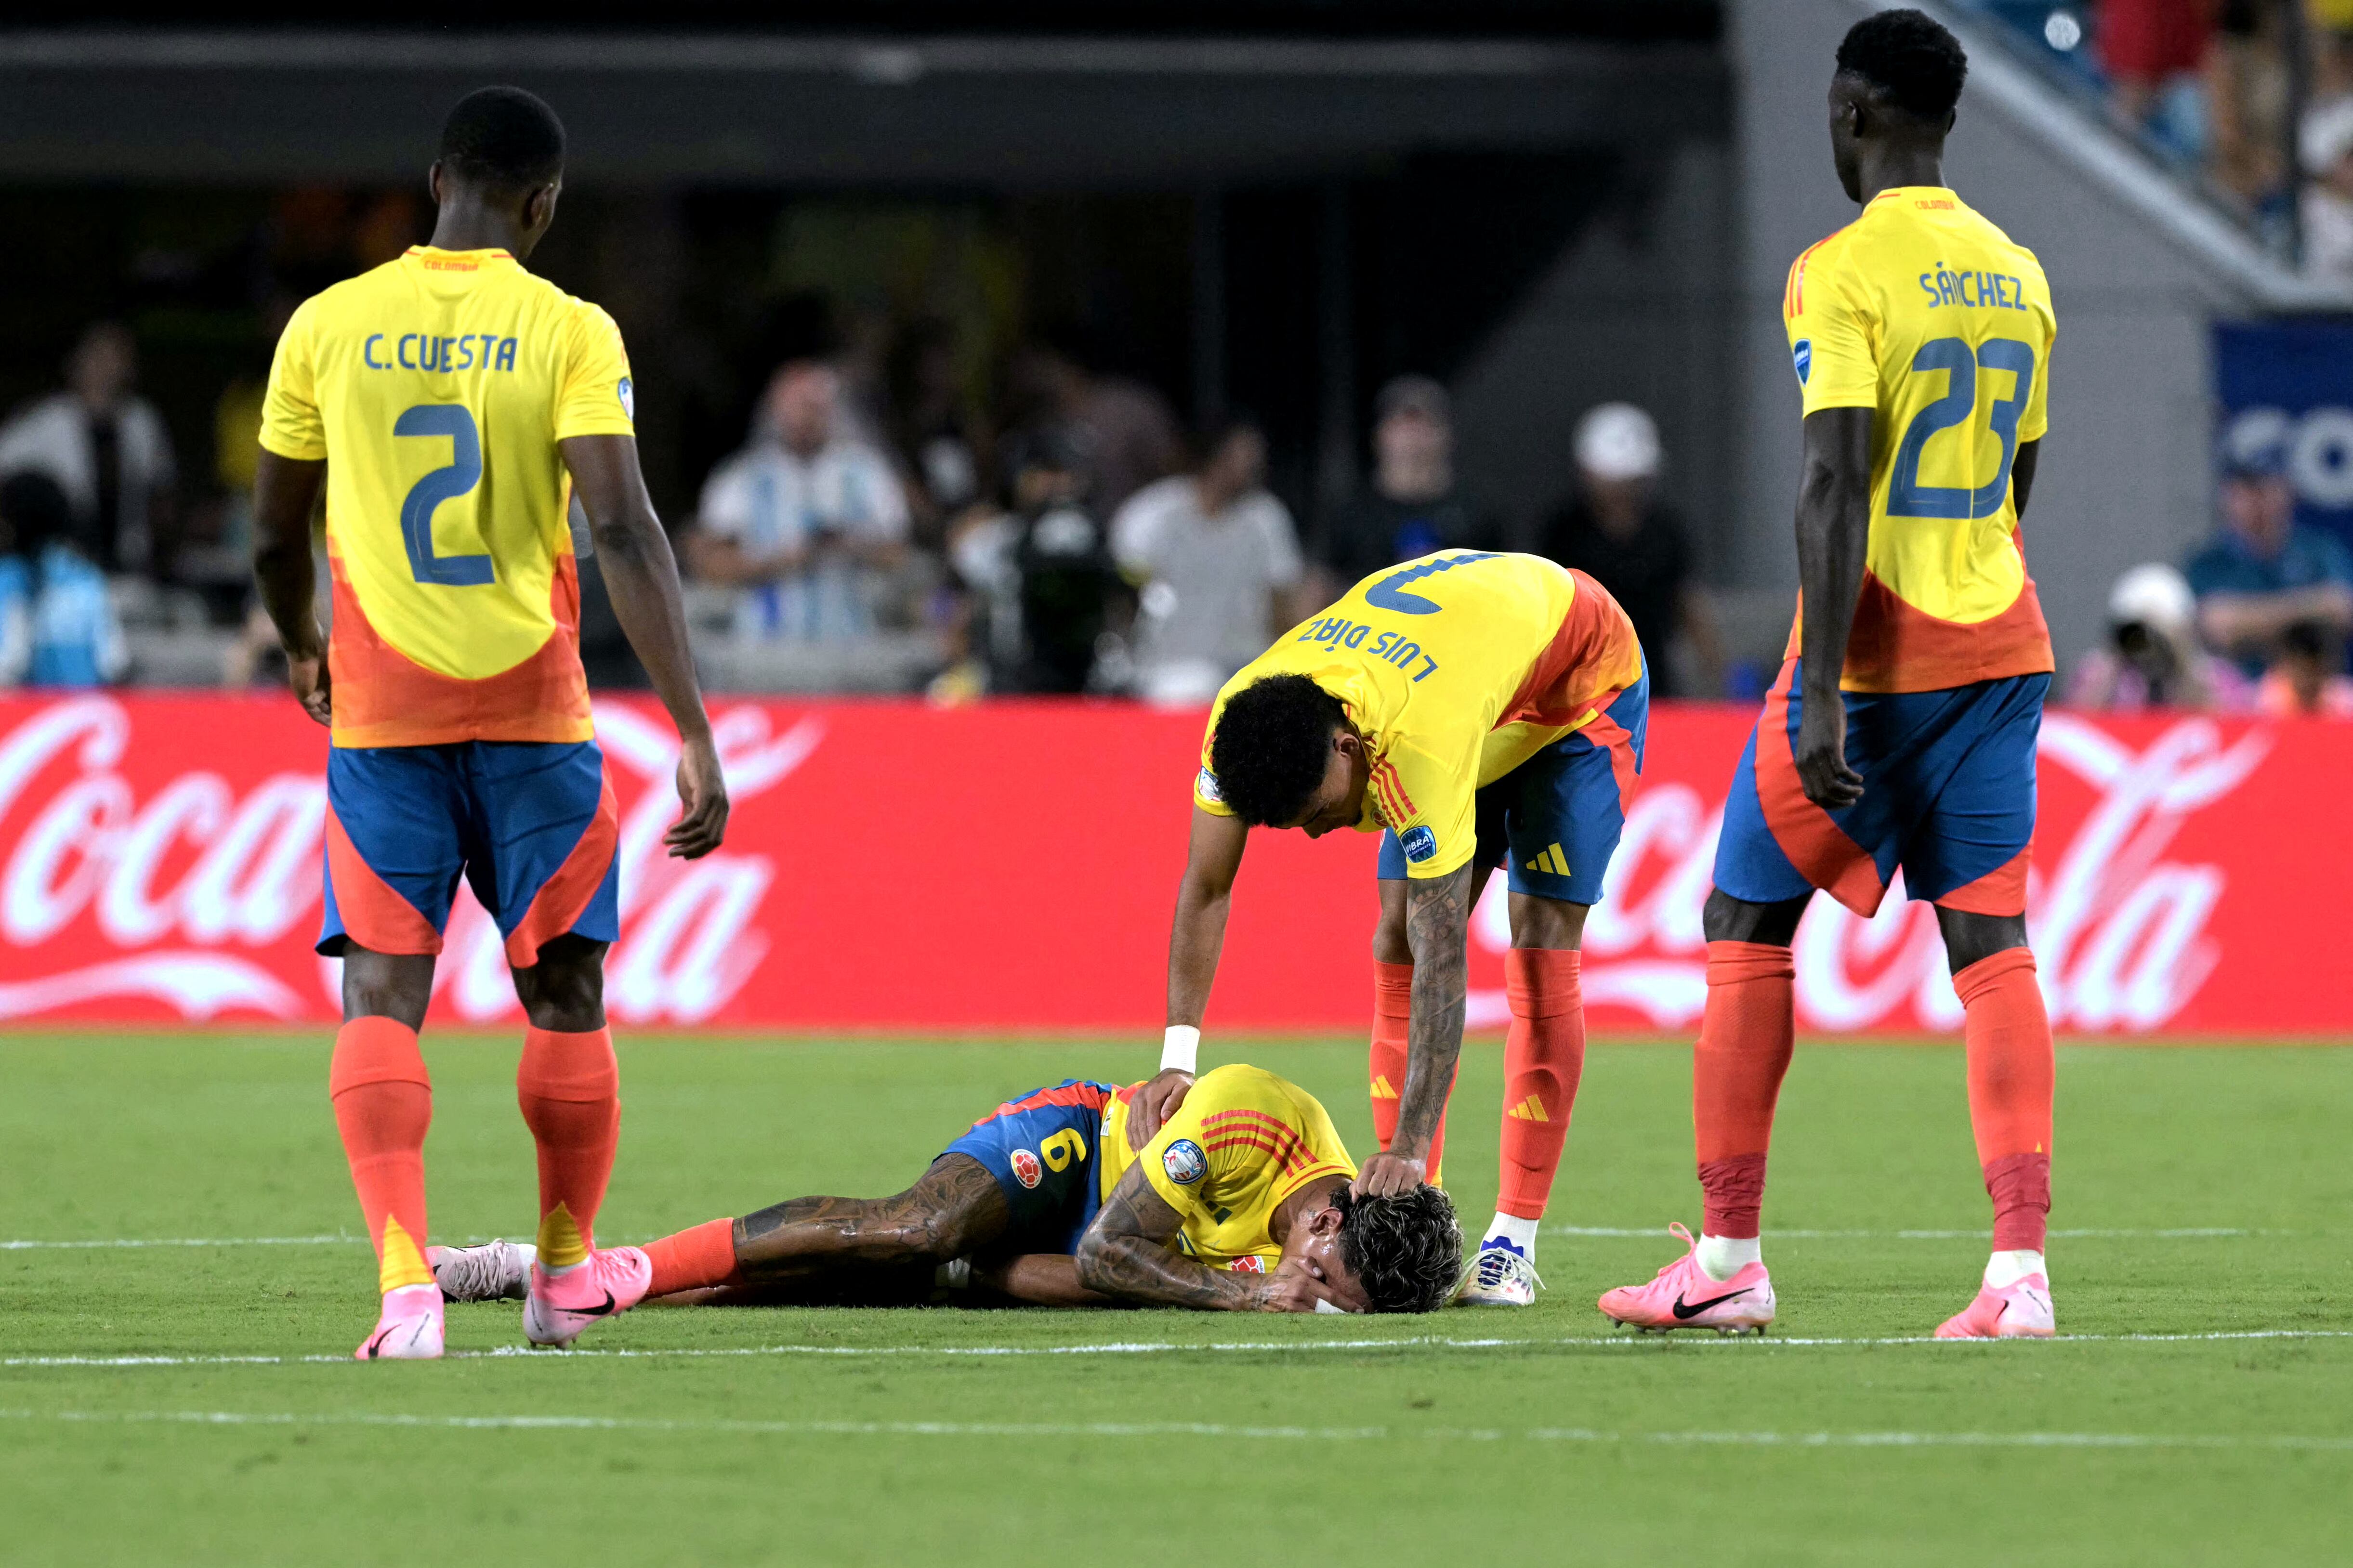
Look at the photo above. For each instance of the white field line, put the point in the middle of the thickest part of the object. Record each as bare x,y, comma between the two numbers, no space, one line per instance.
1170,1347
2271,1442
1593,1230
1925,1235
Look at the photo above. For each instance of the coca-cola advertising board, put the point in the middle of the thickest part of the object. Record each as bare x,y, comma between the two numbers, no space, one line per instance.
1010,867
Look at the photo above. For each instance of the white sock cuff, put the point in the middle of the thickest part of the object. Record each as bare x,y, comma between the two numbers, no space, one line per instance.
1520,1233
1722,1256
2004,1269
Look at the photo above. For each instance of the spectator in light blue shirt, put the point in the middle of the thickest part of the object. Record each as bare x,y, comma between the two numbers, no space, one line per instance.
807,521
58,626
2263,573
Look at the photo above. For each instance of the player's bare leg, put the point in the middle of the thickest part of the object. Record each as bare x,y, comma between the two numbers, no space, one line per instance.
1742,1053
1543,1057
822,1248
384,1104
2011,1079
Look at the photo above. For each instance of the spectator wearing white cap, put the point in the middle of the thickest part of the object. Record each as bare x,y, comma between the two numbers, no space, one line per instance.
1617,532
2328,206
2153,657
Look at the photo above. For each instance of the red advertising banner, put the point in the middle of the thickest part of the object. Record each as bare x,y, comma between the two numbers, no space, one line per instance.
1012,867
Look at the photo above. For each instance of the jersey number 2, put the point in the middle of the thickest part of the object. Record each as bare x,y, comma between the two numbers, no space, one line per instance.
464,472
1907,495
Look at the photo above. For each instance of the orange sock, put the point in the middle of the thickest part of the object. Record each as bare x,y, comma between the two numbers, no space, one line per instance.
1392,1024
383,1103
1544,1056
2012,1079
1745,1039
570,1090
693,1259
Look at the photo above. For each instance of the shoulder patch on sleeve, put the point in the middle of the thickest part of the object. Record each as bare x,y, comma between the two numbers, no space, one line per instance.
1184,1161
1418,843
1205,784
1802,353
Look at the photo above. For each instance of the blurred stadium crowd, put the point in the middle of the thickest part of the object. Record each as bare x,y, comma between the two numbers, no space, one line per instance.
878,530
888,469
2252,97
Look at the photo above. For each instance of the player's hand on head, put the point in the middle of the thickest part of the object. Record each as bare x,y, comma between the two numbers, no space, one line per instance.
1154,1103
1386,1176
1820,756
308,675
1295,1286
703,802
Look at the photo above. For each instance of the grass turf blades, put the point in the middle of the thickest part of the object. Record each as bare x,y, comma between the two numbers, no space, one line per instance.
886,1437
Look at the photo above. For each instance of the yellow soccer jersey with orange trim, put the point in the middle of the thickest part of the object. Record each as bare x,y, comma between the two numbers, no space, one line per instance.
1923,311
1456,667
1243,1142
435,387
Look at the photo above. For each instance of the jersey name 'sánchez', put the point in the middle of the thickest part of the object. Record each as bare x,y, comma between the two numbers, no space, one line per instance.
435,387
1243,1142
1928,314
1456,667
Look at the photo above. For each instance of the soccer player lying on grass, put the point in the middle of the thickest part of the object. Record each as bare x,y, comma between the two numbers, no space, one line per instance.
1240,1202
1473,709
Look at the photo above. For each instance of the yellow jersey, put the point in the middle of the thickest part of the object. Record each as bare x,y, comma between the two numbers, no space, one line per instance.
435,387
1455,667
1925,312
1243,1142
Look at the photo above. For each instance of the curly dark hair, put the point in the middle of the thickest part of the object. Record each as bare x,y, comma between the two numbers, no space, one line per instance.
504,138
1910,57
1406,1251
1272,745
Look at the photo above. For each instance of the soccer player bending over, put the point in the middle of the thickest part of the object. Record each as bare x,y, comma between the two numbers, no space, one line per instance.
1239,1203
450,404
1902,730
1473,709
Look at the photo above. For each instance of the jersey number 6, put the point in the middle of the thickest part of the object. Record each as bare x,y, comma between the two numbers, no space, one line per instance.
1063,1147
1907,495
462,474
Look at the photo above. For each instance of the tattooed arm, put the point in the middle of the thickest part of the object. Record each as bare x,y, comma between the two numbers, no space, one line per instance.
1130,1252
1437,929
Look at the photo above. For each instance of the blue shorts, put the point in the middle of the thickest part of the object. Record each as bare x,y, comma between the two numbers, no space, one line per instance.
531,824
1558,815
1041,1146
1947,795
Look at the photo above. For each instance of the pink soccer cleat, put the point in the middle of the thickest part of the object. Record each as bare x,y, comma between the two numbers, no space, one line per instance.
2017,1311
410,1328
561,1303
1684,1297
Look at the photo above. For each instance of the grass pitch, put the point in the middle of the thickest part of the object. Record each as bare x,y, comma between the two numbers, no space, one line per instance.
189,1402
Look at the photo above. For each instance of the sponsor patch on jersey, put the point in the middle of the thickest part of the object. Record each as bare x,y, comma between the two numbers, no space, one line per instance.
1184,1162
1026,1168
1803,356
1253,1264
1418,843
1205,784
628,391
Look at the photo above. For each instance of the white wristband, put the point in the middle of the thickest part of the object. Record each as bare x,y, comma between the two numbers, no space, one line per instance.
1179,1047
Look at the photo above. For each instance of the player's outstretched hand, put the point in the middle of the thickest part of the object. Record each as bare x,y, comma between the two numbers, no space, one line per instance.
1295,1286
1389,1176
1823,770
1154,1103
308,677
703,802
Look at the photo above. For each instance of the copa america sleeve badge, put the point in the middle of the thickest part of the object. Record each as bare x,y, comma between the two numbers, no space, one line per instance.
1184,1161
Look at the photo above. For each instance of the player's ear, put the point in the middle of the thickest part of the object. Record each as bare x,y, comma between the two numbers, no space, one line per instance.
1327,1221
539,206
433,181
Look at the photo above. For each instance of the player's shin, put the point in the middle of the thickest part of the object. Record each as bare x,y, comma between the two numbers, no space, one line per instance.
1745,1039
569,1086
1543,1057
384,1104
2012,1079
1392,1026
